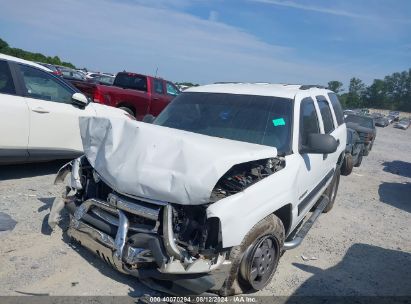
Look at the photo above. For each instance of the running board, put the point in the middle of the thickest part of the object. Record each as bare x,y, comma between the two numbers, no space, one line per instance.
302,232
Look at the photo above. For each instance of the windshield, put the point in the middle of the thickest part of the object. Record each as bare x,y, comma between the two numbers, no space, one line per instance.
260,120
361,120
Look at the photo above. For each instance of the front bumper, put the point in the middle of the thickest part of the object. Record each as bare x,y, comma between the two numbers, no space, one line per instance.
107,231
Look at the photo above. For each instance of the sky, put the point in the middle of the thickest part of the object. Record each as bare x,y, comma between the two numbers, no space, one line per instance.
310,42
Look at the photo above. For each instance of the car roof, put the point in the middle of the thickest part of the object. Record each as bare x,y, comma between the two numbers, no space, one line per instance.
259,89
19,60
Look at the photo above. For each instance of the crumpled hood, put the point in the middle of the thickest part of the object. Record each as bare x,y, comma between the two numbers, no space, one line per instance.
161,163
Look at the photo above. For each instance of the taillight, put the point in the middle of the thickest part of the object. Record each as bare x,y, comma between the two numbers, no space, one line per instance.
97,96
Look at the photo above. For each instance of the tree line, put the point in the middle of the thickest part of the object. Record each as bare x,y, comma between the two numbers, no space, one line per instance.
38,57
392,93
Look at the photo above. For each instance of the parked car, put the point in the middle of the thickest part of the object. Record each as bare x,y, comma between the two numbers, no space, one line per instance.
381,121
103,79
376,115
39,117
51,67
209,195
134,93
404,123
353,152
365,127
396,115
390,119
90,75
71,74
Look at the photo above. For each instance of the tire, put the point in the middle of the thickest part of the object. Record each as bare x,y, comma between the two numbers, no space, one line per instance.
347,165
332,190
255,250
359,160
128,110
366,151
371,146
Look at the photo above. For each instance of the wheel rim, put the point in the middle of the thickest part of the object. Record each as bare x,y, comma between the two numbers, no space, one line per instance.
260,262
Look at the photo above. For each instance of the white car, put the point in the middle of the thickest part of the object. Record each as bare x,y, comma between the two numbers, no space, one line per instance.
209,195
39,113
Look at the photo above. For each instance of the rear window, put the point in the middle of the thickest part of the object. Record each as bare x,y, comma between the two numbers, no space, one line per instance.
325,114
338,111
131,81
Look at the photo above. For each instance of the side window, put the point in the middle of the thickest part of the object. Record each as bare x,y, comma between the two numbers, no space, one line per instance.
308,120
171,89
6,81
326,114
41,85
158,86
338,111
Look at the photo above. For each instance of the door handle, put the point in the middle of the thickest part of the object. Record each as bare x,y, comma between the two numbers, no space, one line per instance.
40,110
156,98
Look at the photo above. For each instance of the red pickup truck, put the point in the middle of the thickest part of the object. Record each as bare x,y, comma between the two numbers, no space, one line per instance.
135,93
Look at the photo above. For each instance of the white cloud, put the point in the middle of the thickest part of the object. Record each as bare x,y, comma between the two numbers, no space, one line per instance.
113,36
213,16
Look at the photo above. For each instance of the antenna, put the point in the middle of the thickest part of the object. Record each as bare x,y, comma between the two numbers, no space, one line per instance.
156,72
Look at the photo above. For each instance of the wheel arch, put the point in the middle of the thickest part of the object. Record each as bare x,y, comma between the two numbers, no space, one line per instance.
126,105
285,215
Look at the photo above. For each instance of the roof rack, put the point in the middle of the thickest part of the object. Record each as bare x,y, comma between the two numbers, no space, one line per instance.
309,86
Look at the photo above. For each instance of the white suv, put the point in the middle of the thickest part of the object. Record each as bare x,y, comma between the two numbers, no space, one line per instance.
39,113
209,195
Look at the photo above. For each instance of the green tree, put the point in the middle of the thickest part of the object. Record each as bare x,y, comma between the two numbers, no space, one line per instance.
356,92
3,44
335,85
16,52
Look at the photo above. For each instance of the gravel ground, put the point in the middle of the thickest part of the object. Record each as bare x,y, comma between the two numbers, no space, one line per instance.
362,247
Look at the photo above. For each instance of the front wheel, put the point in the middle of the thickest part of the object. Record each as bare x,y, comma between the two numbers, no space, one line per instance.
255,260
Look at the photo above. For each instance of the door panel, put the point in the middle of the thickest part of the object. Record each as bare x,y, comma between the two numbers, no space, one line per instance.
55,126
159,99
312,172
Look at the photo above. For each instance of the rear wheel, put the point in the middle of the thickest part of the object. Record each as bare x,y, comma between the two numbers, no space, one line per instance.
255,260
332,190
366,150
359,160
347,165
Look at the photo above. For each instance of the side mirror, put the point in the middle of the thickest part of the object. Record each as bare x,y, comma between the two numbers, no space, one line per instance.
79,99
320,144
148,118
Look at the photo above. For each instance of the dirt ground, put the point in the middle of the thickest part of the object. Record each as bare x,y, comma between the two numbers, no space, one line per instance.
362,247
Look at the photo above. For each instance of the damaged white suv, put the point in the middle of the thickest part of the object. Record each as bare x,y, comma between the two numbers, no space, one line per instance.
208,196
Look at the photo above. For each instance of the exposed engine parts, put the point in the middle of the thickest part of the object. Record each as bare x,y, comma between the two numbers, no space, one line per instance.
241,176
130,227
196,233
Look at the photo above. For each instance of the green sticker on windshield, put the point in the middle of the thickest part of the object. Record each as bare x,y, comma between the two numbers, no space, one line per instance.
278,122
